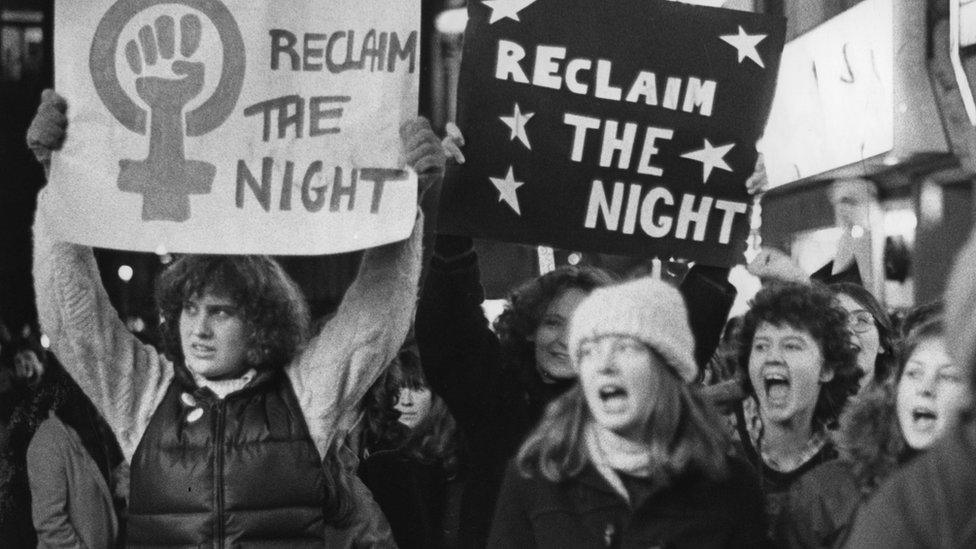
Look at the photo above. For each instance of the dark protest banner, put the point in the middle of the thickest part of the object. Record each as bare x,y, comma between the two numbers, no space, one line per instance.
621,127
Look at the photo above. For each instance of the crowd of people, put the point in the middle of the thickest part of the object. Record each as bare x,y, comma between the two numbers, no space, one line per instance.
598,409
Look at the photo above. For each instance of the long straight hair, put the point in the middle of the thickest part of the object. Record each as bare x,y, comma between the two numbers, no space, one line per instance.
684,435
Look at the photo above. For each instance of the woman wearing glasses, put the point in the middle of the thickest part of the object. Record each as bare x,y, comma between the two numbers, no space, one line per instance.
873,332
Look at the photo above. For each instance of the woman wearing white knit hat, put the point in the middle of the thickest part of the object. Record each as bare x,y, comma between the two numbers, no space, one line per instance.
632,456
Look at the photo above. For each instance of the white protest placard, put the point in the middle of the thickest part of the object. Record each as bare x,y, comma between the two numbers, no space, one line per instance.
234,126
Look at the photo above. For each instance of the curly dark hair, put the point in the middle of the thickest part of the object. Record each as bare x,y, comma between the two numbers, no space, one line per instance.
815,309
274,311
884,364
528,302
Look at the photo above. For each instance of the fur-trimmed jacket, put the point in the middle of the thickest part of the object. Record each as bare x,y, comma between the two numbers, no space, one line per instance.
823,503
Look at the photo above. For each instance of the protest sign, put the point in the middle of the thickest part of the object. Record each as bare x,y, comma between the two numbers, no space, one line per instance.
622,127
232,126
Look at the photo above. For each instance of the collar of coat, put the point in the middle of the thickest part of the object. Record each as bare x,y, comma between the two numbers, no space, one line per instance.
261,378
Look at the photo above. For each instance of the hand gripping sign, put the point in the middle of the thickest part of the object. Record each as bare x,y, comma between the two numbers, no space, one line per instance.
183,135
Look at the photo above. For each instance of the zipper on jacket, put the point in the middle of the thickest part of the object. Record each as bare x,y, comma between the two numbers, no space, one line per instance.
218,440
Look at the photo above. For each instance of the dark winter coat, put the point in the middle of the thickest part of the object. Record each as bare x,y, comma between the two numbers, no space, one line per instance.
71,503
926,504
494,405
776,485
261,483
586,512
421,500
823,503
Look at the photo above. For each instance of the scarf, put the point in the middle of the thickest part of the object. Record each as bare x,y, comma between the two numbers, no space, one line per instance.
224,387
610,453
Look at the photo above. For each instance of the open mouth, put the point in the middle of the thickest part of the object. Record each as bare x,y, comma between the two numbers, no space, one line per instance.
924,418
613,397
777,386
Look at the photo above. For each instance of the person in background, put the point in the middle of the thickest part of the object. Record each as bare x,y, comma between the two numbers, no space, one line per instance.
496,383
929,502
73,463
800,369
15,432
874,334
631,456
227,428
887,426
873,331
411,459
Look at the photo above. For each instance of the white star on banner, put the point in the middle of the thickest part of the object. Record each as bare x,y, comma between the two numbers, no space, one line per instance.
506,189
516,123
710,157
746,45
500,9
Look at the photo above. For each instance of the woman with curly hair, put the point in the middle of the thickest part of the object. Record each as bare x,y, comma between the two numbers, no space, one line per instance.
886,427
800,369
874,334
227,426
632,456
410,460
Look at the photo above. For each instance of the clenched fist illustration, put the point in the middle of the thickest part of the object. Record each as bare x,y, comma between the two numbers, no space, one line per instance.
165,177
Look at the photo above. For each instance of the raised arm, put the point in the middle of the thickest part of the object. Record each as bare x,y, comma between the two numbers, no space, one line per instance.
458,350
333,373
124,378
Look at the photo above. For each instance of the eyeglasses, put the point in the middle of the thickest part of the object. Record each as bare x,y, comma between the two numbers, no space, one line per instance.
860,321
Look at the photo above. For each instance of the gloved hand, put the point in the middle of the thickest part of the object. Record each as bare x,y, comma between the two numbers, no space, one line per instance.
422,150
49,127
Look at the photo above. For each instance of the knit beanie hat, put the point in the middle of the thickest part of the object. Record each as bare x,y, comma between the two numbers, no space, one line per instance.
960,309
646,309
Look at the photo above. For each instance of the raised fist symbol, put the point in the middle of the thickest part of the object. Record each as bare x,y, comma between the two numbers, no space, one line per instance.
158,42
166,178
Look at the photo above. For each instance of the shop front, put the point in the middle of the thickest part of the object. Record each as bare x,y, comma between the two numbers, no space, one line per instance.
869,147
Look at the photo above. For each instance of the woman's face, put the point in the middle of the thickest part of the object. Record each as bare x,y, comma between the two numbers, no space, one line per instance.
212,335
786,368
620,377
413,405
865,337
931,393
551,355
